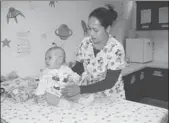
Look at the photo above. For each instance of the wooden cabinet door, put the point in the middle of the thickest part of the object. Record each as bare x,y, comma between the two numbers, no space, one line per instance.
140,79
132,87
165,84
155,85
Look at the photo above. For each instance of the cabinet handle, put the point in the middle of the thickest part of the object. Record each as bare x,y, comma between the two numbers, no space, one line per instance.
142,75
157,73
133,79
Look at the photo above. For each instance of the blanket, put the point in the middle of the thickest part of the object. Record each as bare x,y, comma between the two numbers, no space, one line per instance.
19,90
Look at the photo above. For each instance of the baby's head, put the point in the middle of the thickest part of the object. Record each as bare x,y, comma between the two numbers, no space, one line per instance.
55,57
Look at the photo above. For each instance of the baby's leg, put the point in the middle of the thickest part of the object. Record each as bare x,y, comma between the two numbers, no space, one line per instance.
52,99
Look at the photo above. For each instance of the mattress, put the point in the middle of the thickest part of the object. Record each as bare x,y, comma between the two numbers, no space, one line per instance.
103,110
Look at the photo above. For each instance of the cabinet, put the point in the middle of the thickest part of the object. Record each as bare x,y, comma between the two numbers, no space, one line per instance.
152,15
147,82
155,84
133,84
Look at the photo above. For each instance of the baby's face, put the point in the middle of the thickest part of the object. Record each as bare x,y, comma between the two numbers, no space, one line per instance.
54,59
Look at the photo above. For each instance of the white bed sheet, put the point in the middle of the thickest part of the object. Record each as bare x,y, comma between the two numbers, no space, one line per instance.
102,111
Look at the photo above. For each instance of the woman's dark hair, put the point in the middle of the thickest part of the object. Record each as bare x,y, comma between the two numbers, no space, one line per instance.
105,16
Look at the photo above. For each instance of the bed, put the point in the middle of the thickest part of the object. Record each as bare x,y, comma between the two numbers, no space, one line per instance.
104,110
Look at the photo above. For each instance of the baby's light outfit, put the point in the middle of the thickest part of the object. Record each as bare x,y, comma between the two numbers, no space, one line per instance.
52,80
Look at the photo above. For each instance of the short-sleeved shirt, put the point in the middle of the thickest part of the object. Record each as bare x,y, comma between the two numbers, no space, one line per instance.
110,57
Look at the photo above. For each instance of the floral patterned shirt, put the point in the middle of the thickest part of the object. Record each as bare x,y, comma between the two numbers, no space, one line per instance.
110,57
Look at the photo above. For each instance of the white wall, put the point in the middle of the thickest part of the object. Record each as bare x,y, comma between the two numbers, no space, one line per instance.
41,18
123,22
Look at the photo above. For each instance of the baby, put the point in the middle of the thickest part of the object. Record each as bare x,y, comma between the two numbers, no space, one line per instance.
54,77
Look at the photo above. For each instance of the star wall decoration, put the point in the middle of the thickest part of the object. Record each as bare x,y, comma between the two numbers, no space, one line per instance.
44,35
6,42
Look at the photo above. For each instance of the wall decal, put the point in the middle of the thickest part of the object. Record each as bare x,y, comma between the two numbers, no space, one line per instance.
85,29
6,42
23,47
52,3
44,35
23,34
13,13
63,32
54,44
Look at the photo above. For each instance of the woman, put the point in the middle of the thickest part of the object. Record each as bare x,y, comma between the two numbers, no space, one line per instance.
100,55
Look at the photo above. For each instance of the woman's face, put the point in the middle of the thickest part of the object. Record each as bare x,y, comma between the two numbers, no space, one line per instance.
97,32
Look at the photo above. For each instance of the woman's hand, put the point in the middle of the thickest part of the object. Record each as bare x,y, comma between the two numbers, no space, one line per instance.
70,90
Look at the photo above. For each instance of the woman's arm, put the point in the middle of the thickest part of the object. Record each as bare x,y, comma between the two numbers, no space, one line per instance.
107,83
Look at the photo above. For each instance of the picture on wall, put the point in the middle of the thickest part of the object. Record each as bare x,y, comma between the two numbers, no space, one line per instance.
23,47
